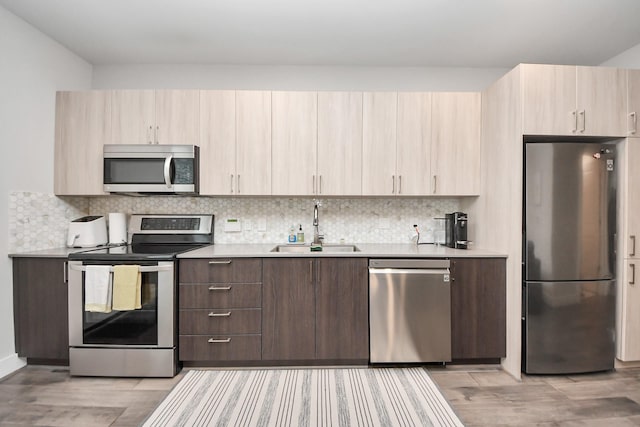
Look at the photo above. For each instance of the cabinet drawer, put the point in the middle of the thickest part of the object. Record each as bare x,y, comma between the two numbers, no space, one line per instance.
238,295
220,347
246,321
221,270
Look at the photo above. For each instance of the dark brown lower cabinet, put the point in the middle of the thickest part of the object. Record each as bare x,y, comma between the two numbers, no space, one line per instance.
315,309
40,310
478,308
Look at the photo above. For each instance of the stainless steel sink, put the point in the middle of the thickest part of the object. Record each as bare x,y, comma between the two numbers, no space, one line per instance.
307,248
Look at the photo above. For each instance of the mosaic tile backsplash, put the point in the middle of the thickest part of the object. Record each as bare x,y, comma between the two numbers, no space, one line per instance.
263,220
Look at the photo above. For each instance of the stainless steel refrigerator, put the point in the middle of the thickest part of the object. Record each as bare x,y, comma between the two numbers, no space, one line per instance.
569,257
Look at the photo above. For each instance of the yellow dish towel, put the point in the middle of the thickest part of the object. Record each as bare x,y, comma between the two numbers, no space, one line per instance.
126,287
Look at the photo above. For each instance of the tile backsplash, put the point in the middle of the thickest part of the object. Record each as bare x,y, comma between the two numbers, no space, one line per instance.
263,219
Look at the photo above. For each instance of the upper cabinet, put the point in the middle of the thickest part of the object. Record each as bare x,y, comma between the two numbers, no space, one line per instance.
218,142
379,120
455,143
633,101
570,100
339,144
83,126
155,116
294,141
253,143
413,145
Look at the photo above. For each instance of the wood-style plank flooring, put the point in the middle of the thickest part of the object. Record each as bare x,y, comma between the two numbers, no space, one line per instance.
481,396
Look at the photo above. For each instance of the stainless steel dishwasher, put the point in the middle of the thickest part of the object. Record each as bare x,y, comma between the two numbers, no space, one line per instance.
409,311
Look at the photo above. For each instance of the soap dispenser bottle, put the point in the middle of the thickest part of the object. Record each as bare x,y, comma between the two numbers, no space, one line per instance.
300,237
292,235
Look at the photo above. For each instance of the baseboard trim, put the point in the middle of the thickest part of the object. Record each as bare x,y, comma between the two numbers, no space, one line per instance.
10,364
619,364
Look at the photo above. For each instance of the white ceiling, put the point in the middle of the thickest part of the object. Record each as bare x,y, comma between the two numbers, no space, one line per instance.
451,33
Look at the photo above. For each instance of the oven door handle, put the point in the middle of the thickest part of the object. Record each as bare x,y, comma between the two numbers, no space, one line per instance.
143,269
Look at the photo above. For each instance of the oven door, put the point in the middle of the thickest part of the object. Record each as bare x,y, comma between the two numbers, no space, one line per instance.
152,326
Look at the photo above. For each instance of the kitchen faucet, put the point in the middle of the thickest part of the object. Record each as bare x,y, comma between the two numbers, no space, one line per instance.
317,237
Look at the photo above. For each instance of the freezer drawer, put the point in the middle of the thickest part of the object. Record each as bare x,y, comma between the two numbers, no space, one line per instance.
410,314
569,327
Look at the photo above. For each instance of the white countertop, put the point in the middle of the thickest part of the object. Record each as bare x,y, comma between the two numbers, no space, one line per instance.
367,250
49,253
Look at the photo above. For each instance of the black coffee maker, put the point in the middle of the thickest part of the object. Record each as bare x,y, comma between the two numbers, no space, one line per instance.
456,230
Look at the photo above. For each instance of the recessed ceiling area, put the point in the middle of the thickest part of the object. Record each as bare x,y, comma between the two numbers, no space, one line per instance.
398,33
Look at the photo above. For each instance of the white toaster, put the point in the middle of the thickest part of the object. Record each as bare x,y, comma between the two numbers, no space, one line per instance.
87,232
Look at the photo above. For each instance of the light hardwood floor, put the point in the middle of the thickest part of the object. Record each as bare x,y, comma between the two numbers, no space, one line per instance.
483,396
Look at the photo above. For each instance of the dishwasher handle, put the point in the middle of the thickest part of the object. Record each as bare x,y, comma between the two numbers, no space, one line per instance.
397,271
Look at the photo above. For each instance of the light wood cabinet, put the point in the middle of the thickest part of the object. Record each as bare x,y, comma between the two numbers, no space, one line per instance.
253,143
569,100
455,143
339,143
155,116
83,126
413,146
315,309
629,281
633,101
217,142
379,121
294,143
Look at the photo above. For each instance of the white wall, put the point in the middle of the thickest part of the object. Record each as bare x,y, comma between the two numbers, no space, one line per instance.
33,67
630,58
293,77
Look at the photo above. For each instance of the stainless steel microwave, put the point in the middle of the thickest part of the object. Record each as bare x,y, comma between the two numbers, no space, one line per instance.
147,169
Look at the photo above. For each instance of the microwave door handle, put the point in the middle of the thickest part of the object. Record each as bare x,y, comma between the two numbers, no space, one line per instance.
167,170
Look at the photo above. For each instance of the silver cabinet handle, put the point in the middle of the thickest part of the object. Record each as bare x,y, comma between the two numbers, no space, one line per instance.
583,113
435,183
167,170
65,272
311,271
238,184
634,122
149,132
633,246
212,314
157,133
218,341
320,190
222,261
231,183
313,184
399,184
393,184
633,274
219,288
574,113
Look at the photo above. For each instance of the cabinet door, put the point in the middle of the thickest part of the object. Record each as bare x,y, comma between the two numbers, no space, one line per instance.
455,144
631,190
549,100
177,117
633,99
340,143
40,308
629,345
253,143
379,143
133,116
478,308
293,143
83,126
288,309
601,99
413,146
217,142
342,309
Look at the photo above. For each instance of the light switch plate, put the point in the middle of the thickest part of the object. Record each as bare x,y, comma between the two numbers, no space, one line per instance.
232,225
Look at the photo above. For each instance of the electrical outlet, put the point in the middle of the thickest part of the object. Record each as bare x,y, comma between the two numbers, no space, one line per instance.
247,224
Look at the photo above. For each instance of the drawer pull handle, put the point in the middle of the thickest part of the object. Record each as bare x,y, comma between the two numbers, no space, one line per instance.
215,341
219,288
224,261
227,314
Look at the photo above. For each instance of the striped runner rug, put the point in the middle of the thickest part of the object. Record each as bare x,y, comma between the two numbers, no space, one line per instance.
305,397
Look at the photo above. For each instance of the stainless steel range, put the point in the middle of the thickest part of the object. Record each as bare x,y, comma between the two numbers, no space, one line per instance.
133,342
